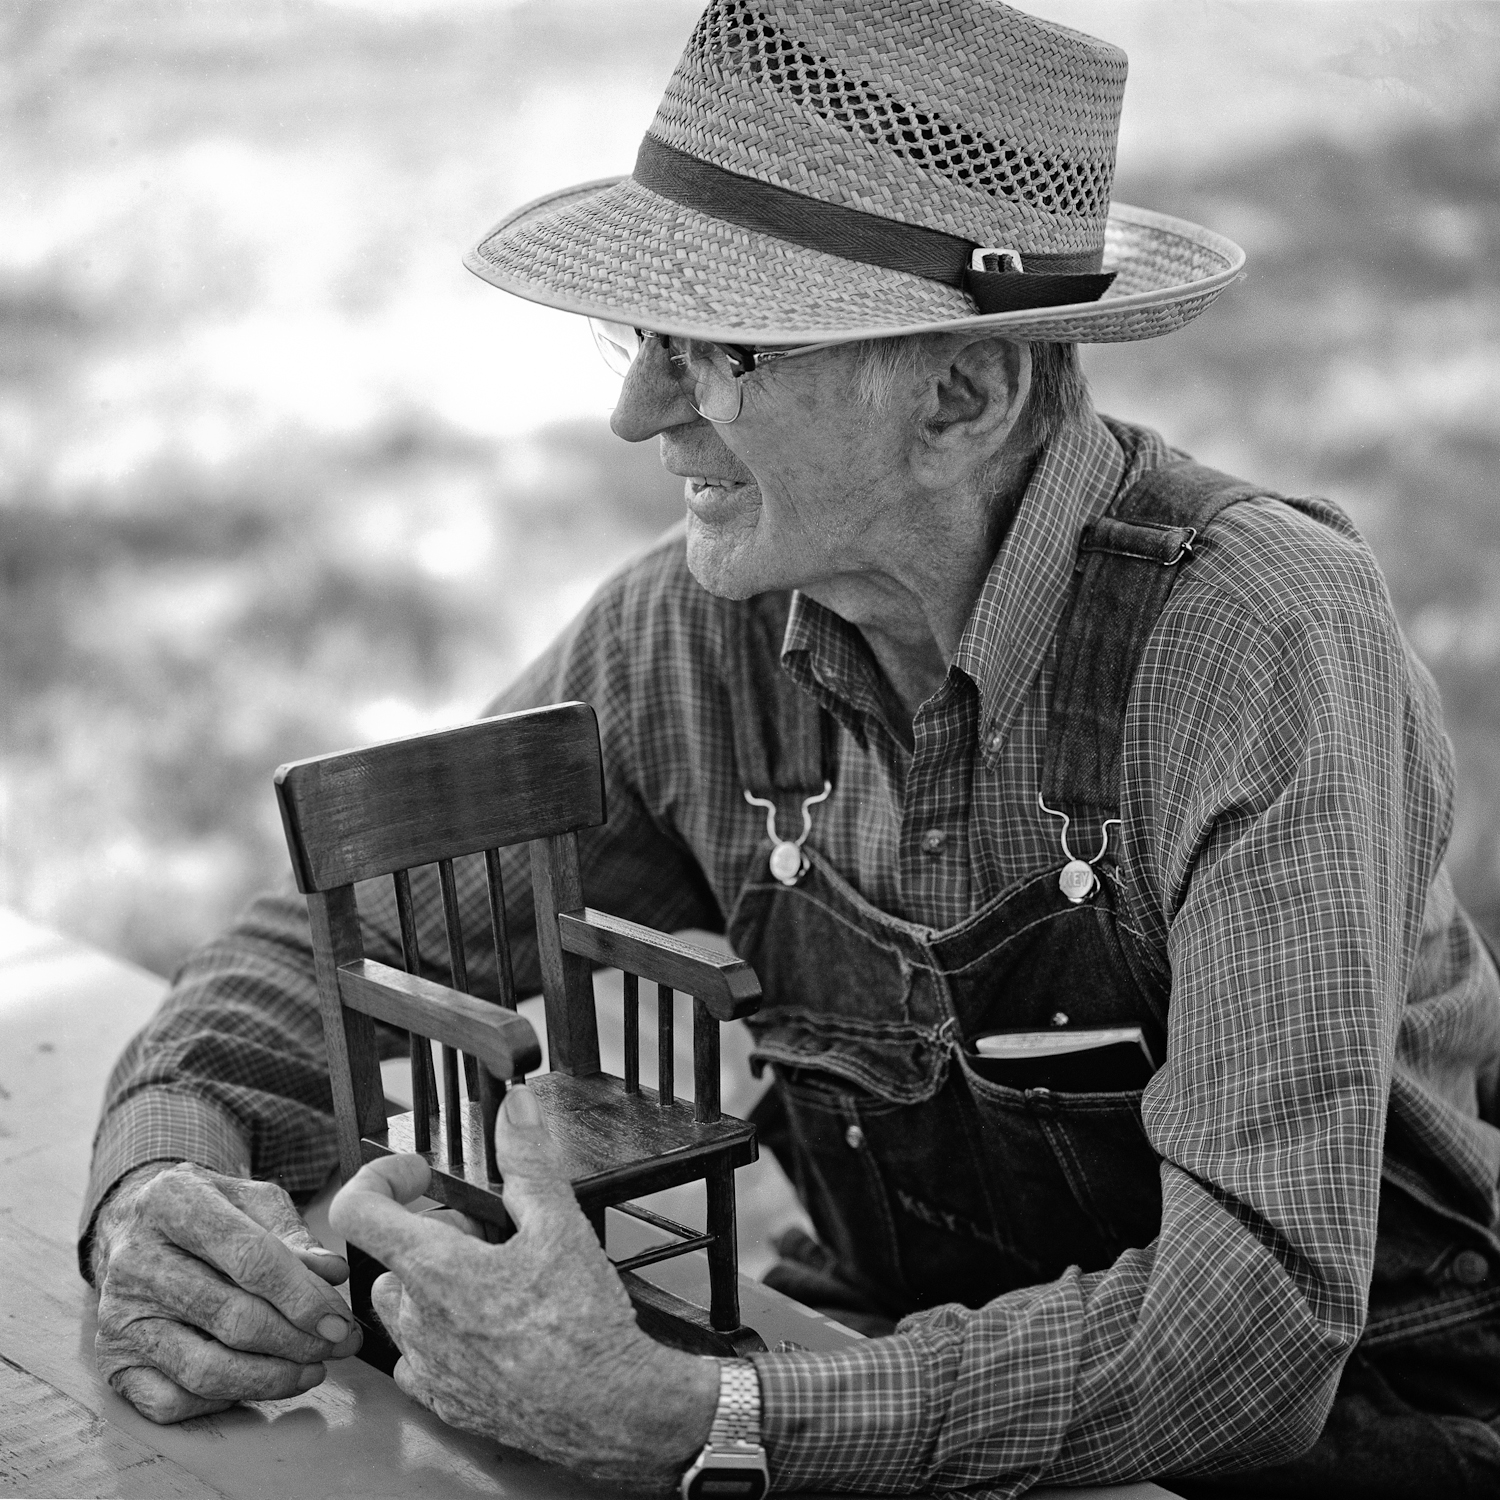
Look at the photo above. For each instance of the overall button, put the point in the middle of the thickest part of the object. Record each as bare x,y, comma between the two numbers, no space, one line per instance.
934,841
854,1138
1470,1268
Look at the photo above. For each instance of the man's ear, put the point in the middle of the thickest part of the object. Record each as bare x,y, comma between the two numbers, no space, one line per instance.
977,392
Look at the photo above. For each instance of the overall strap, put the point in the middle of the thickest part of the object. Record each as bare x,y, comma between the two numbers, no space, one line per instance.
784,741
1128,561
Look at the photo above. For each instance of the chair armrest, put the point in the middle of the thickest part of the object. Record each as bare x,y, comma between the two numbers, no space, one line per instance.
727,986
502,1040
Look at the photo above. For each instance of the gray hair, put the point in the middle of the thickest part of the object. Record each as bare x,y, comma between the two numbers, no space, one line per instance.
1059,392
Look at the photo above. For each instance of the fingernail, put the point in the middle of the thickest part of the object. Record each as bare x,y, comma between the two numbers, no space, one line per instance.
333,1329
521,1107
311,1375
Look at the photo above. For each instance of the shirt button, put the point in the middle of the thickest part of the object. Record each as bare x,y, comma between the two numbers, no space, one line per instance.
1470,1268
934,841
854,1138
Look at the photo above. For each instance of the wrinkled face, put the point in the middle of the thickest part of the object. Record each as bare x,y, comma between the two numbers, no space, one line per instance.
801,489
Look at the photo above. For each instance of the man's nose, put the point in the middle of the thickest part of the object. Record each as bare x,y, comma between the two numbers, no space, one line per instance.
652,399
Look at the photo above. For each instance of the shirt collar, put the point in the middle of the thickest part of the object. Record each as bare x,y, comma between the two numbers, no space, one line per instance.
828,658
1021,603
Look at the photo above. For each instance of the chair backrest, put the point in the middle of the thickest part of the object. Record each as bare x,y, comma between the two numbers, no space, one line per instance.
415,801
533,777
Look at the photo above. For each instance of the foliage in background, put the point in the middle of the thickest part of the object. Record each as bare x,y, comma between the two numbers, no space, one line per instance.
1361,360
247,513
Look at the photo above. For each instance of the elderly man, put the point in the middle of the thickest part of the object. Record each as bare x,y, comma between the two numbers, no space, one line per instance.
975,720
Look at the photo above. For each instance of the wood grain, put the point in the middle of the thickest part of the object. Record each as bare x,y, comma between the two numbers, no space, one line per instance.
727,986
50,1444
706,1076
567,980
504,780
353,1057
613,1145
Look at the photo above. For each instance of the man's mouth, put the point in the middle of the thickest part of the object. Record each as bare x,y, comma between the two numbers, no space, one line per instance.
712,498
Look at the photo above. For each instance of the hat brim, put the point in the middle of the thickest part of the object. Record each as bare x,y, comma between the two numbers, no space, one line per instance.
616,250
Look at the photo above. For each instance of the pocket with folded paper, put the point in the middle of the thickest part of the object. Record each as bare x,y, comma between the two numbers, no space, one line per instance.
1081,1060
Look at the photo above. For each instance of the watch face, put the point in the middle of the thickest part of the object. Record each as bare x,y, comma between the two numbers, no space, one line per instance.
718,1482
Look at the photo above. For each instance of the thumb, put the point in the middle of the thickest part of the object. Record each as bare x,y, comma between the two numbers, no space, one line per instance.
528,1160
369,1210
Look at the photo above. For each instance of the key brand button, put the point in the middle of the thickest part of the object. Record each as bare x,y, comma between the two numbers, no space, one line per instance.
1470,1268
1077,880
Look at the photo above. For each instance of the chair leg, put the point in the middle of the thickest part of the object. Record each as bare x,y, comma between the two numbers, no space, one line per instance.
491,1093
596,1219
377,1349
723,1254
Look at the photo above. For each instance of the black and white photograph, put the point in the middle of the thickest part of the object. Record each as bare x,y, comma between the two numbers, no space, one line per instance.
750,746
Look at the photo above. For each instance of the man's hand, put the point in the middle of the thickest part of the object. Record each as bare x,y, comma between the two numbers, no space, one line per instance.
533,1342
212,1291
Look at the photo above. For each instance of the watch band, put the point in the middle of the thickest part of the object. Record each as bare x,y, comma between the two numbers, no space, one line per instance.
732,1464
737,1416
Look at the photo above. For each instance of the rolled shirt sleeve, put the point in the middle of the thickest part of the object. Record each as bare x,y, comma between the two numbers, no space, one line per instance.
1285,798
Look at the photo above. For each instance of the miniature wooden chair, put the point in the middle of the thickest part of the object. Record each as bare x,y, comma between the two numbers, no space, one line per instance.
534,778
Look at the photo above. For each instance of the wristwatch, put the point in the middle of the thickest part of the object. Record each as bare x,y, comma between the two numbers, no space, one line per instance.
732,1465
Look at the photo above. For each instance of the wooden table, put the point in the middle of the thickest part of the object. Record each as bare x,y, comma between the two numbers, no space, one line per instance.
65,1012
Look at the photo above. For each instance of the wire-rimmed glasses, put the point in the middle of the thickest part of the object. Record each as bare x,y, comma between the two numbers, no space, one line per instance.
710,372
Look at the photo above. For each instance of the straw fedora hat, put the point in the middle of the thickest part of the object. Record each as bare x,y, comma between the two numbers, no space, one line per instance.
829,169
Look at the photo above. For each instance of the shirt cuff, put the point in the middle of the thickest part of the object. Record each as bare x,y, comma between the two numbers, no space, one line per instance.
158,1125
831,1418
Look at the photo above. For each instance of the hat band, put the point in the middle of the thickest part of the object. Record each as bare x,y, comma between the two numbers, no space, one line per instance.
852,234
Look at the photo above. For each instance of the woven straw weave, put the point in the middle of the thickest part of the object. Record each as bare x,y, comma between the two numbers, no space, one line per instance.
964,116
960,115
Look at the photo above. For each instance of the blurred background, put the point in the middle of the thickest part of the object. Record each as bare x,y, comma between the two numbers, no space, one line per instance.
278,476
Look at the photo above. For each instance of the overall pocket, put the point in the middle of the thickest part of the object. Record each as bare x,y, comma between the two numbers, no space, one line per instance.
829,1127
1074,1178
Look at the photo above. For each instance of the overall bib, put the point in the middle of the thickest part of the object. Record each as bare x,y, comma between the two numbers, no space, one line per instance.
929,1178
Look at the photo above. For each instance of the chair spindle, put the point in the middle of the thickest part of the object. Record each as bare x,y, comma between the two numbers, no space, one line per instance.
500,928
458,968
423,1078
632,987
491,1095
666,1055
452,1110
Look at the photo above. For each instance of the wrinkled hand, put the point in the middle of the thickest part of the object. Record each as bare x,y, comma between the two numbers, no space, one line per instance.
533,1342
212,1291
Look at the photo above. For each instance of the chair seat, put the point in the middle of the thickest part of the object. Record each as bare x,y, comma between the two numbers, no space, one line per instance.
614,1145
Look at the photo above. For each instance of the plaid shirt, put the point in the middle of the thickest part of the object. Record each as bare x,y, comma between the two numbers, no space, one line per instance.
1286,801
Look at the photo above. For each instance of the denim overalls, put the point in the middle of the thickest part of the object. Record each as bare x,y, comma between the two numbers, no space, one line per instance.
927,1181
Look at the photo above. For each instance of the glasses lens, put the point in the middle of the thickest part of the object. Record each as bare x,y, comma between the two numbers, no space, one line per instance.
716,394
704,369
617,342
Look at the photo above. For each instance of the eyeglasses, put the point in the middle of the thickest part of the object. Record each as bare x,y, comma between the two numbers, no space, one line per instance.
712,372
